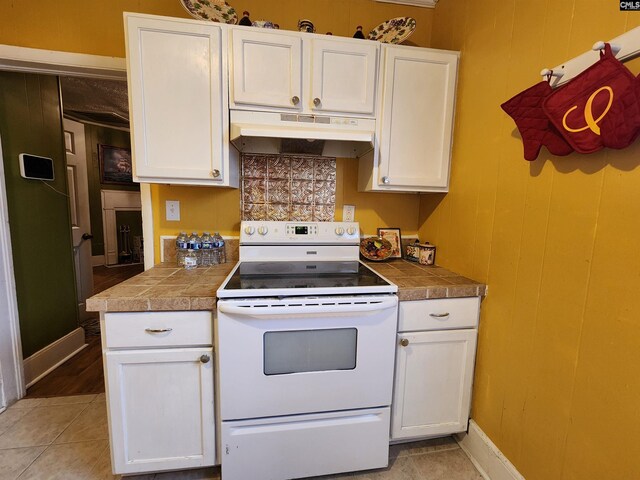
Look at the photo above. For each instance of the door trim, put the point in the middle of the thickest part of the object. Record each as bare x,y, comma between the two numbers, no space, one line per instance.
13,386
51,62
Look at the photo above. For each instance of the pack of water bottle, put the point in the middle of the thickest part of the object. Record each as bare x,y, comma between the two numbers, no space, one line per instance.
194,250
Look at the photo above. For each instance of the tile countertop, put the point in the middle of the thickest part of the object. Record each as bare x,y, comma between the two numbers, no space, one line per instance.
166,287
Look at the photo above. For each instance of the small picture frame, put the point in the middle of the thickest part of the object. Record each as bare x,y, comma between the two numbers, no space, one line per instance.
115,165
395,238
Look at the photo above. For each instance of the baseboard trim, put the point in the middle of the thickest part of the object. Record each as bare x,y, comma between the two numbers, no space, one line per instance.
97,260
484,454
44,361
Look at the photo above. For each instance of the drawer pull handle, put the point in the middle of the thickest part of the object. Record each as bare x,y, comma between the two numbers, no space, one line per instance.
158,330
439,315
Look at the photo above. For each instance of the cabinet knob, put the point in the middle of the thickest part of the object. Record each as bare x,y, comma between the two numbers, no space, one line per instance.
205,358
295,100
316,102
215,173
386,180
404,342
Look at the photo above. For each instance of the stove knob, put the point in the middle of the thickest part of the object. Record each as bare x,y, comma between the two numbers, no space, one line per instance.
249,230
351,231
339,231
263,230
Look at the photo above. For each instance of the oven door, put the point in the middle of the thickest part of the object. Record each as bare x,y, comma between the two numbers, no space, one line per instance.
305,355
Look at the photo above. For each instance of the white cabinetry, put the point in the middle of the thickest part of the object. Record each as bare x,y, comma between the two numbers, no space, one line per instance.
415,122
304,73
266,69
177,74
343,76
159,379
434,367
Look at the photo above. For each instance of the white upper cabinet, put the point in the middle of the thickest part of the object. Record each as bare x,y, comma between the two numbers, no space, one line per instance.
304,73
177,73
266,69
343,76
415,125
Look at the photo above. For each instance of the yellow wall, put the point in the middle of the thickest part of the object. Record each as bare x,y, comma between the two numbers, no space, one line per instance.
96,27
557,241
203,208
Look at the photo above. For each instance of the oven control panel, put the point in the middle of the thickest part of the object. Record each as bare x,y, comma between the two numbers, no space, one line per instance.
285,233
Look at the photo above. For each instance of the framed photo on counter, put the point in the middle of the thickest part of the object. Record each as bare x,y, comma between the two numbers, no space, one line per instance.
395,238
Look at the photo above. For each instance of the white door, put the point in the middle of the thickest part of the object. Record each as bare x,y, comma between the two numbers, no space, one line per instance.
79,206
161,409
344,76
177,98
3,401
266,70
417,118
434,375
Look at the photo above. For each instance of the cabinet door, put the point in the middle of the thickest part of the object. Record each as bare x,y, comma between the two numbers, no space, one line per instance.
434,374
161,409
267,69
417,118
344,76
176,85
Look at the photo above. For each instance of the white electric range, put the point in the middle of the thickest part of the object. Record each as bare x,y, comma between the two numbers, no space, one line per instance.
305,350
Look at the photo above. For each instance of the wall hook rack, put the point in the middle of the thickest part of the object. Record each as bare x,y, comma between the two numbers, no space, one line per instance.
625,47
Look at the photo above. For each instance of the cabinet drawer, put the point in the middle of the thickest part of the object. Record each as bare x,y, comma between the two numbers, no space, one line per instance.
439,314
158,329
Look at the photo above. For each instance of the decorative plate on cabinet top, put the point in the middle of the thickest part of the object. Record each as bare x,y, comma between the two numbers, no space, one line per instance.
212,10
396,30
375,248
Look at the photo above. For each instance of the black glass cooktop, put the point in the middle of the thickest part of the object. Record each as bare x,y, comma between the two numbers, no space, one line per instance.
288,275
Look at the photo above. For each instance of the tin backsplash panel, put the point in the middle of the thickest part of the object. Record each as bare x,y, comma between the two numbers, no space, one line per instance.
288,187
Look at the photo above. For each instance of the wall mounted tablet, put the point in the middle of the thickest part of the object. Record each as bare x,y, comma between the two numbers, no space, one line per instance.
36,167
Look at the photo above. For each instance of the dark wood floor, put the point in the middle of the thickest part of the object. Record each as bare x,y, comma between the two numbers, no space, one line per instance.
107,277
80,375
83,374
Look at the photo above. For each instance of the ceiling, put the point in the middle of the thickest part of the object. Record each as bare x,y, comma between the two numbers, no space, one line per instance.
96,101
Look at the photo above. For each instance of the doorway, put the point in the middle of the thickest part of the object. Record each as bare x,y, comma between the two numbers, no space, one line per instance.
52,63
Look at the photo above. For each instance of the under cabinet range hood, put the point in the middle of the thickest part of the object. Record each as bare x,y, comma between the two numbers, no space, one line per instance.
272,132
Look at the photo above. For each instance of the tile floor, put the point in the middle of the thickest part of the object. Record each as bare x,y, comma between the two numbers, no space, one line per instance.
67,438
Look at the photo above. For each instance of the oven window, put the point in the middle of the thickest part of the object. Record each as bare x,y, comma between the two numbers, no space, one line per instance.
310,351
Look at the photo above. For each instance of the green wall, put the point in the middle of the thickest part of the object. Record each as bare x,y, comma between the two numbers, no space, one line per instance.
30,122
95,136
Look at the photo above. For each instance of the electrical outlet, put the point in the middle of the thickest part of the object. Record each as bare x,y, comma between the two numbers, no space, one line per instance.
348,213
173,211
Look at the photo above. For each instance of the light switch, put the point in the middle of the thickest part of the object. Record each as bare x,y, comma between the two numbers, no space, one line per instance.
173,210
348,213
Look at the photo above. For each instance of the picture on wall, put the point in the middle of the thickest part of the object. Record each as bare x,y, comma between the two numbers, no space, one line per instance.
115,165
394,237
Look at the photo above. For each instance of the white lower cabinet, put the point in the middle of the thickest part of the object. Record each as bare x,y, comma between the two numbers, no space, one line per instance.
160,400
434,370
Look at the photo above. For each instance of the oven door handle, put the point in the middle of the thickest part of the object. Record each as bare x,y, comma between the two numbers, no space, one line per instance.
307,309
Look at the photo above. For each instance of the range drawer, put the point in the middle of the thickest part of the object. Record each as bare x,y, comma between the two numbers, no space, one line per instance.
158,329
439,314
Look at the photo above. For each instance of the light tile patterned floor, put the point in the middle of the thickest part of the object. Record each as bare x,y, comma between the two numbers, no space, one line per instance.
67,438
